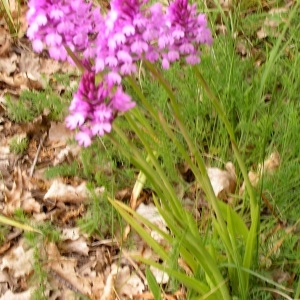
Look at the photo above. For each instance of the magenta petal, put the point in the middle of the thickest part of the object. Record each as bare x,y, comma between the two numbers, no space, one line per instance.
83,138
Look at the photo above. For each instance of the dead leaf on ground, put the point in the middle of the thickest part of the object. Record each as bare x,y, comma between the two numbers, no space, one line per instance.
79,246
9,295
223,181
18,261
8,65
151,213
59,133
160,276
126,283
30,68
64,270
269,166
20,195
5,42
62,192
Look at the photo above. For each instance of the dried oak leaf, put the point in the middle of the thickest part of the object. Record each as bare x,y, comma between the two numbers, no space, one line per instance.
9,295
151,213
160,276
18,261
65,271
272,22
29,67
78,246
269,166
68,154
126,283
20,195
6,162
8,65
59,133
222,181
62,192
16,81
73,241
5,42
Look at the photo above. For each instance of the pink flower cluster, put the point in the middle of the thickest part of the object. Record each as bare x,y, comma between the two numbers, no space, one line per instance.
93,107
112,44
54,24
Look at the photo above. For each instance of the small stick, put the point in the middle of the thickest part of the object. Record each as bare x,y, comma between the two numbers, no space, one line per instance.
37,154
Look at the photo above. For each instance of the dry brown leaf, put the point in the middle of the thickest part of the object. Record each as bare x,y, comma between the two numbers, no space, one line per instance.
64,270
9,295
62,192
16,81
73,241
269,166
160,276
30,66
222,181
18,261
241,48
5,42
70,234
151,213
76,246
59,133
6,162
67,154
19,196
8,65
126,283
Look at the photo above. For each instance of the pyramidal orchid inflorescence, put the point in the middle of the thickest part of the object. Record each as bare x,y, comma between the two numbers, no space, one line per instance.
111,44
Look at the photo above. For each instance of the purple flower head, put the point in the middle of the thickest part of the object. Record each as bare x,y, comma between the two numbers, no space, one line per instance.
94,107
55,24
112,45
187,32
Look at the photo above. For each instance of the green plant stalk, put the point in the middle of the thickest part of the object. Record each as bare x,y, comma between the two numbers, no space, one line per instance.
195,246
211,269
16,224
139,229
153,285
252,241
222,115
135,220
184,279
137,89
176,221
137,159
177,209
8,17
201,165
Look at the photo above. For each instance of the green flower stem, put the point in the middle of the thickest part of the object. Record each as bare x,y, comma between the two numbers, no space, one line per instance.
156,175
251,250
223,117
176,207
201,165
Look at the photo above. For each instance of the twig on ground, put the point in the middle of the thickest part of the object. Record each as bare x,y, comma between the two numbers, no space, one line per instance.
37,154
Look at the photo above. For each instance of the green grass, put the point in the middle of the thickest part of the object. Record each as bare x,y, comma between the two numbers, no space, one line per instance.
19,145
32,104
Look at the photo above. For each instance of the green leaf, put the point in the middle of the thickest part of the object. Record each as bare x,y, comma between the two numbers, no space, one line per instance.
131,218
153,285
239,224
16,224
